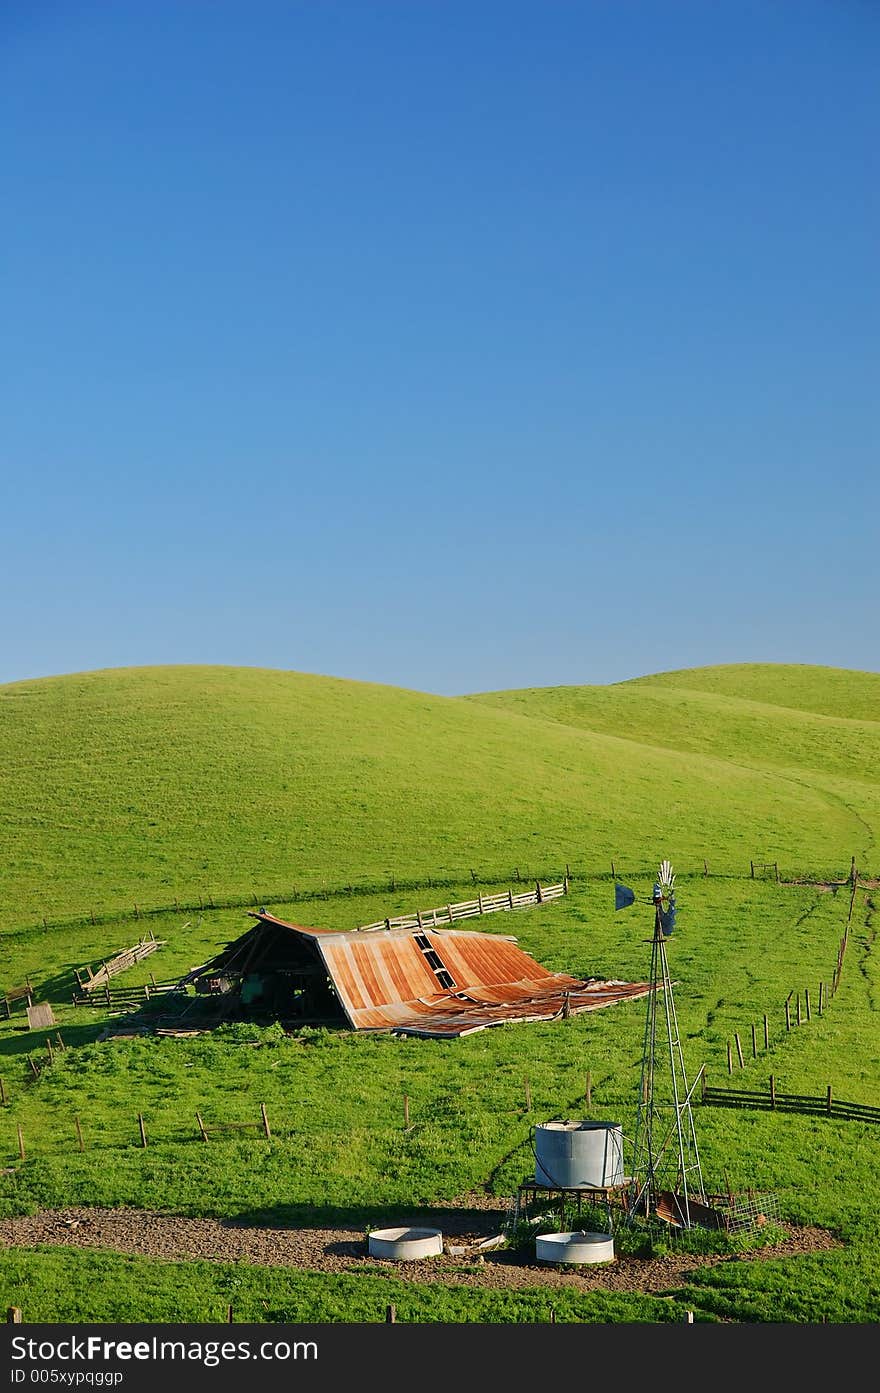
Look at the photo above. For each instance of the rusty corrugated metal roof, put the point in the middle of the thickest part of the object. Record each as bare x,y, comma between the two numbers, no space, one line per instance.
448,982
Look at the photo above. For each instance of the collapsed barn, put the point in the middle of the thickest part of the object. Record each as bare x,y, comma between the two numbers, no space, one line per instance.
413,981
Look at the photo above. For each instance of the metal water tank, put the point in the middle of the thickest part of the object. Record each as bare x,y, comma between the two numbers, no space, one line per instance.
572,1154
574,1247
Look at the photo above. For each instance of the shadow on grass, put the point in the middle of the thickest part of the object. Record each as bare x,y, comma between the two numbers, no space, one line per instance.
26,1041
452,1219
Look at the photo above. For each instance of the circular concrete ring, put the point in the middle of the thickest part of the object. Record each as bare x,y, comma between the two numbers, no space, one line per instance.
574,1247
405,1245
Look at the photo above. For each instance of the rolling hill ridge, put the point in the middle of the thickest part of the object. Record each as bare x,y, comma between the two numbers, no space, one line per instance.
143,784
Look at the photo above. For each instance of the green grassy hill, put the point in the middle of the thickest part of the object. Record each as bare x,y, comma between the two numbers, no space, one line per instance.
807,727
144,785
147,785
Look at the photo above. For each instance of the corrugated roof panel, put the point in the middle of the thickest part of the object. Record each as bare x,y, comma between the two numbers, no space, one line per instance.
384,982
475,958
448,1016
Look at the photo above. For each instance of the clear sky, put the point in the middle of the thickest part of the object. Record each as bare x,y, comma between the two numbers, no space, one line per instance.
455,346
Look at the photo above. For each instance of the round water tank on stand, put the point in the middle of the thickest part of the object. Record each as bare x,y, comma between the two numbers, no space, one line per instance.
569,1155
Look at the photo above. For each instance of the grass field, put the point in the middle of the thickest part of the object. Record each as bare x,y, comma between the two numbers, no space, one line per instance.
149,785
146,786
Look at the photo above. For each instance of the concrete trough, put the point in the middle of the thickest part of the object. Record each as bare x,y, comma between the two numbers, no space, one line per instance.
574,1247
405,1244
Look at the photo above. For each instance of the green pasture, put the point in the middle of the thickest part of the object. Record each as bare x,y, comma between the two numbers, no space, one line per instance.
110,1288
146,786
339,1151
170,801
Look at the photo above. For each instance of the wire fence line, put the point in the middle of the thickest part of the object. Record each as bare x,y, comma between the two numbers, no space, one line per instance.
191,902
797,1014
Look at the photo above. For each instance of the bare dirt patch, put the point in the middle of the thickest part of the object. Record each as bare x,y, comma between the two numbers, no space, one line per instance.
143,1233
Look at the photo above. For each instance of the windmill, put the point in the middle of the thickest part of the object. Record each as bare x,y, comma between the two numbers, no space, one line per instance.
666,1175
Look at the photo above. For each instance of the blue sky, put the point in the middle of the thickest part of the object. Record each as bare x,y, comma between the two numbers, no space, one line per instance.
456,346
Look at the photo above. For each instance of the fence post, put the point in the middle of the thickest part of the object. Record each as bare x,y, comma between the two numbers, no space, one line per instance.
528,1094
539,898
202,1127
20,1142
807,1000
754,1042
828,1101
787,1013
772,1091
798,1005
406,1110
143,1130
739,1048
821,997
766,1032
729,1059
13,1315
265,1119
79,1135
2,1094
390,1313
752,866
588,1091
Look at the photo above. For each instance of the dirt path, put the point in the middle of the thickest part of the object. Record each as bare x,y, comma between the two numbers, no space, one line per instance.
147,1234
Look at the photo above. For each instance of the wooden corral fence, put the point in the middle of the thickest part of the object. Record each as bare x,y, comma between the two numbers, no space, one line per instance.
120,998
469,909
89,981
775,1101
16,995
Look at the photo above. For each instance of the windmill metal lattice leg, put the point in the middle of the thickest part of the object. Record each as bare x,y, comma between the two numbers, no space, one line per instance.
666,1158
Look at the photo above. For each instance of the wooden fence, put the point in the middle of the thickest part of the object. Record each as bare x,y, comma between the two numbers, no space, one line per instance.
775,1101
16,995
469,909
119,997
89,981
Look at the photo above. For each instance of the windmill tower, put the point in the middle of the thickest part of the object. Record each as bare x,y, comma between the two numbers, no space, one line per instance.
666,1173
